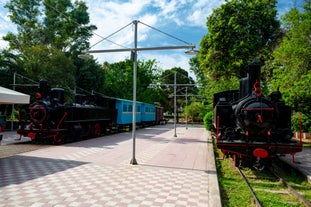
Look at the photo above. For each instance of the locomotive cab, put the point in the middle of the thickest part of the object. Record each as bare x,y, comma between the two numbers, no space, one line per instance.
57,95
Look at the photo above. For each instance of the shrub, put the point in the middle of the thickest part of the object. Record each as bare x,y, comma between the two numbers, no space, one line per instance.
208,120
305,122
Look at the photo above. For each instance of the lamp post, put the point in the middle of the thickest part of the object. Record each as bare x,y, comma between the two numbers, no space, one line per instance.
186,107
175,111
133,161
134,53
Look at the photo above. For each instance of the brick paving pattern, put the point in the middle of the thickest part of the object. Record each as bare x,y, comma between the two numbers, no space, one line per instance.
171,172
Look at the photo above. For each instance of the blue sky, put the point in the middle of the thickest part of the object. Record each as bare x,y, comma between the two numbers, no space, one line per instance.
183,19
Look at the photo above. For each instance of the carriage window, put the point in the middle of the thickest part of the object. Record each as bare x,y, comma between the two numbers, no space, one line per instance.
124,108
138,108
130,108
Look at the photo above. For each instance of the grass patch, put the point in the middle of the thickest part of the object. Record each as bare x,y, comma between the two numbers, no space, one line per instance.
268,189
269,199
306,144
233,190
294,178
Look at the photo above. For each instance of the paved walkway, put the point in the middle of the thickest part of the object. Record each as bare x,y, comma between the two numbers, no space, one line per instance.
11,137
171,172
302,162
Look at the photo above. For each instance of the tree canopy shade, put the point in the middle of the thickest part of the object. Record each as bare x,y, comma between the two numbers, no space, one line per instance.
238,32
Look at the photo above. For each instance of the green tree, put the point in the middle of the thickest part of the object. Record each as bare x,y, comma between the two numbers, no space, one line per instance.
167,80
26,16
195,68
195,111
90,75
66,25
292,74
148,72
51,64
119,80
9,63
238,32
50,34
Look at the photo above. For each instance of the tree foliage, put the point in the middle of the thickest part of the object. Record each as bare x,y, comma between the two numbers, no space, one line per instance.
168,80
118,80
292,74
50,33
195,111
238,32
195,68
51,64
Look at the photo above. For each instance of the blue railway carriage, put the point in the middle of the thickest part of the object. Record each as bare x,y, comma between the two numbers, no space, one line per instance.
125,113
148,114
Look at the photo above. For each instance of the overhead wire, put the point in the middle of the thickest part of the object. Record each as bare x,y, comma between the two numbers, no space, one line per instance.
106,38
176,38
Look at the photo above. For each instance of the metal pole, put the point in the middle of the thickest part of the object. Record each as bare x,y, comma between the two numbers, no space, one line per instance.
186,108
12,115
175,135
133,161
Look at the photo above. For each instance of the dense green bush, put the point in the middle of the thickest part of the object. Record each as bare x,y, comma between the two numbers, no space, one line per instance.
208,120
305,122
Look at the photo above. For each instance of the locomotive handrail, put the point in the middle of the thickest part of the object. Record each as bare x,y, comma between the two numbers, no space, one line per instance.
62,119
217,127
257,88
257,109
300,128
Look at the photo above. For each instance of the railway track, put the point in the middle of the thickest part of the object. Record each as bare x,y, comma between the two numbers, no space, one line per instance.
279,190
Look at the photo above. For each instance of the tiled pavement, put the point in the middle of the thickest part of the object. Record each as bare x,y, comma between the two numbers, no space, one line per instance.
302,162
171,171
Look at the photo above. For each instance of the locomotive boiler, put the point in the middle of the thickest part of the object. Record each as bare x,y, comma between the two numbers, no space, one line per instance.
250,127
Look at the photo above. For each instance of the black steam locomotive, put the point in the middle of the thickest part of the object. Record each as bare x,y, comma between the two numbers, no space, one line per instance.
252,128
51,117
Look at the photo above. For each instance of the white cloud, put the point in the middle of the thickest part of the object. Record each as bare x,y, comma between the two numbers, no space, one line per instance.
111,16
175,58
201,10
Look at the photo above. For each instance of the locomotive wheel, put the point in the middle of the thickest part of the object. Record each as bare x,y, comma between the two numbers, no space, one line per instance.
237,160
94,130
97,130
59,139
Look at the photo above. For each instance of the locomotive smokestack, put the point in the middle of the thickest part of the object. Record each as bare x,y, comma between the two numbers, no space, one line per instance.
253,74
252,81
43,88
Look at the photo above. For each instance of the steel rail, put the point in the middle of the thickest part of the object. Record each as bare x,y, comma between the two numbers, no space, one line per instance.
256,201
291,189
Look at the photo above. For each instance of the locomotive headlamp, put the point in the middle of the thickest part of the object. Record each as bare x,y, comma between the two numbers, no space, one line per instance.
38,96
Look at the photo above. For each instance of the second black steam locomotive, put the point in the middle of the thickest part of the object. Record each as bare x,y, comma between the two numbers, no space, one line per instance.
250,127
